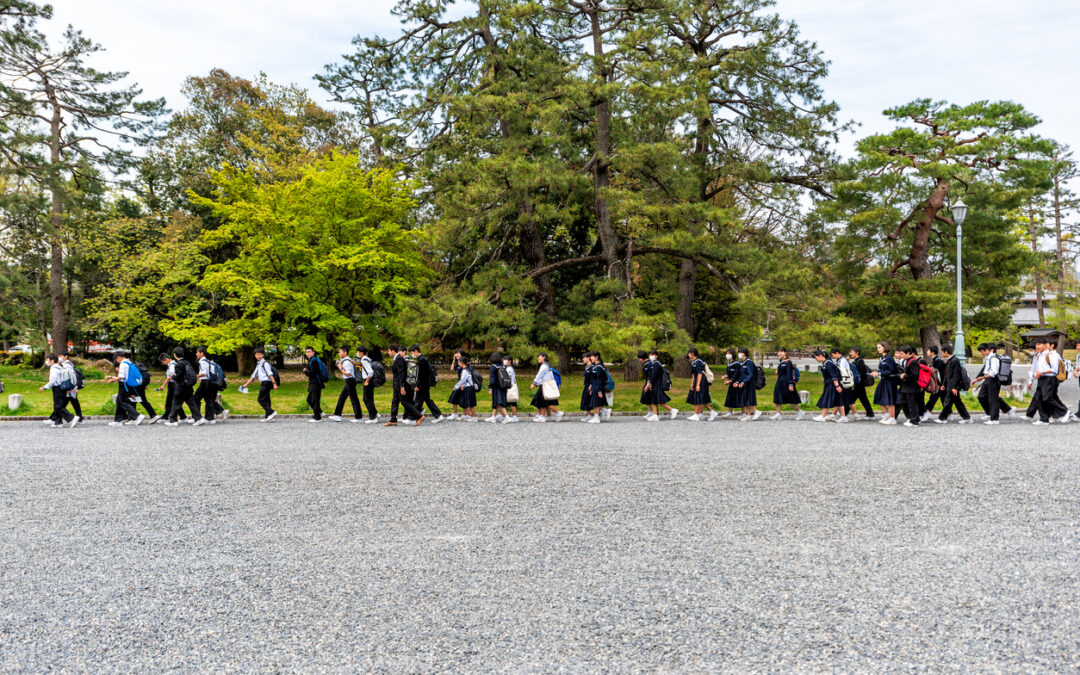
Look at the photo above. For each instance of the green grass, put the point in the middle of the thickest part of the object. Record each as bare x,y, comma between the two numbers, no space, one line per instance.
96,398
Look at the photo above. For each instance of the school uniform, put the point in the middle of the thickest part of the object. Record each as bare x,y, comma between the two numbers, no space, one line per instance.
348,391
399,369
424,383
846,395
513,382
170,392
60,414
466,388
654,375
367,374
206,392
734,374
887,392
858,394
747,393
542,375
953,379
73,395
785,392
990,391
1050,406
911,391
125,409
184,392
702,397
314,386
830,398
266,385
937,364
498,395
600,390
455,395
586,388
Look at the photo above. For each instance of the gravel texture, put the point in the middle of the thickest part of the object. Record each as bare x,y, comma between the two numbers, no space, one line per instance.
565,547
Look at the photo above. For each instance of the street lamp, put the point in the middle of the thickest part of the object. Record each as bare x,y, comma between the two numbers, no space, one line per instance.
959,212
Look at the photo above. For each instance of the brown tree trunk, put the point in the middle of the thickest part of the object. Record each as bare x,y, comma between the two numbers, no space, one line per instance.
1033,233
245,360
919,257
1059,257
684,312
56,237
632,368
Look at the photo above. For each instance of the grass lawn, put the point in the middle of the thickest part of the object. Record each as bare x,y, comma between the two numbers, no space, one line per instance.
96,398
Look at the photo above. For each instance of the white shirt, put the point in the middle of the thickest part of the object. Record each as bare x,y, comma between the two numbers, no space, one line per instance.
991,363
1047,364
543,374
513,375
56,376
366,371
170,371
204,368
348,369
465,380
122,370
262,371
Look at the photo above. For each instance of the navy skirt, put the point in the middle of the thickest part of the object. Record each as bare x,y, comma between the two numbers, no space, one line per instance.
654,397
538,400
586,399
699,397
783,396
746,396
455,397
887,392
731,400
498,398
830,398
467,397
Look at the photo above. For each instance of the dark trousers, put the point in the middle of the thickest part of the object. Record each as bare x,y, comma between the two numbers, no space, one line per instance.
1049,403
406,402
170,399
422,397
990,399
948,401
59,407
913,406
314,398
860,397
184,396
264,396
75,405
141,391
369,401
205,396
348,393
934,398
125,409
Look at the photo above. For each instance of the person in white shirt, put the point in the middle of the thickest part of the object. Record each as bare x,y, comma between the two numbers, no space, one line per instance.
73,395
125,406
58,381
265,376
367,376
990,391
1046,366
512,394
347,369
206,391
170,386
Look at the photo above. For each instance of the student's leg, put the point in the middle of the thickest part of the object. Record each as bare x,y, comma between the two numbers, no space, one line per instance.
354,400
395,402
961,408
125,409
206,397
149,407
369,401
993,401
264,397
59,412
187,398
75,405
342,397
912,408
427,400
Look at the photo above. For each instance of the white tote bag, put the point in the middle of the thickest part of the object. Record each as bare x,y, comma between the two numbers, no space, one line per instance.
512,394
550,389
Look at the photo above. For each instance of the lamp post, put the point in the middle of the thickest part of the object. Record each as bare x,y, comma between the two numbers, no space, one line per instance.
959,212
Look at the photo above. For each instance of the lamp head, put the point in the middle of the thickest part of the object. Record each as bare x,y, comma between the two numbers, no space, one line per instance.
959,212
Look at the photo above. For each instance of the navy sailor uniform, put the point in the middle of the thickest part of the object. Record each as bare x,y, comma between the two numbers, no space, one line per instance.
830,398
785,378
697,367
887,393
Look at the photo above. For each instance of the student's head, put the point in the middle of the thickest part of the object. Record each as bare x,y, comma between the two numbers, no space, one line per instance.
642,355
507,360
200,352
743,353
947,350
414,349
819,356
782,352
117,356
496,358
906,350
309,351
596,358
854,353
542,357
178,352
457,354
163,358
62,356
730,355
932,350
392,349
692,353
985,348
835,353
362,350
464,359
653,354
51,359
260,353
883,347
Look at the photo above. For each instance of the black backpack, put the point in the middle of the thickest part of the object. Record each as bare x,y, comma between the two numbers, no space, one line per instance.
502,376
186,375
759,377
965,378
433,376
378,374
80,381
665,380
275,375
143,370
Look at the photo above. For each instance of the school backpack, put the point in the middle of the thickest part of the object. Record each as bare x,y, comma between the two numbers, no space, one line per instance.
475,382
433,375
926,377
796,372
558,378
502,376
759,378
275,375
965,379
1062,375
80,381
217,376
847,378
68,381
412,373
1005,369
610,382
134,376
665,380
709,377
378,374
144,372
322,373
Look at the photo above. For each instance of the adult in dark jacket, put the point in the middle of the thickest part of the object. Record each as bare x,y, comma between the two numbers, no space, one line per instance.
953,385
399,370
909,387
424,383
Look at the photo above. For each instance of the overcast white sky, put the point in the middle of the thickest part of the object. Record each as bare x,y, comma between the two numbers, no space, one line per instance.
883,52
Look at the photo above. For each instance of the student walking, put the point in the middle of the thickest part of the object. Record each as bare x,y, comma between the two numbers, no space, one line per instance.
426,378
60,383
784,392
399,370
746,398
910,387
267,384
587,387
831,402
938,365
546,399
887,393
206,391
652,392
75,375
512,394
732,376
317,375
170,387
864,381
956,381
698,396
367,375
1047,366
603,384
185,377
347,369
455,367
128,378
142,398
991,379
467,386
498,384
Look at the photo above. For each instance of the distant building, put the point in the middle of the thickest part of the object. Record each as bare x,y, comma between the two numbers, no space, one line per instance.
1026,311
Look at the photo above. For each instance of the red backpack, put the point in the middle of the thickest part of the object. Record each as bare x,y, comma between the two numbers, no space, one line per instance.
928,378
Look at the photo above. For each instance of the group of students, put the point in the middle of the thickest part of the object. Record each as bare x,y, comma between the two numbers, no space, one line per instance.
903,379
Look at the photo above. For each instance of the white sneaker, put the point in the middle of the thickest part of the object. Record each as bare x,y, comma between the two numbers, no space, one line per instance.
371,420
436,420
451,417
172,424
74,420
272,415
694,418
940,421
756,415
909,423
559,416
492,420
333,418
211,422
775,416
674,413
818,418
727,414
586,419
967,421
594,420
1011,414
47,423
652,418
225,415
506,420
356,420
313,421
799,414
189,420
713,415
138,420
111,424
1039,423
885,420
155,419
199,423
540,418
890,422
925,417
991,422
842,420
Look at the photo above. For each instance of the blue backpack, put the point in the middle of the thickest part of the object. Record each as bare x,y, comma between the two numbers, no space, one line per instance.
217,375
134,376
610,382
796,372
558,377
322,373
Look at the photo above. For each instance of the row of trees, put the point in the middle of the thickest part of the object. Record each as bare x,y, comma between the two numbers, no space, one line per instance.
562,174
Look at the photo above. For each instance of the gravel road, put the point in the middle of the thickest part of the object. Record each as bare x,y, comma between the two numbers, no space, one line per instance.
564,547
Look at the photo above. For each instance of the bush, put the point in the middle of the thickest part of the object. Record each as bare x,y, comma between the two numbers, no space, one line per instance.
107,408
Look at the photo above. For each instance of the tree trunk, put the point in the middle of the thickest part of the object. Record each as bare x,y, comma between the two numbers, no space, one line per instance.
919,257
245,360
684,311
1032,231
632,368
1059,257
56,238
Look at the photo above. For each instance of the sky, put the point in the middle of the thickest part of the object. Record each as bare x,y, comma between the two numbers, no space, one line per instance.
883,52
